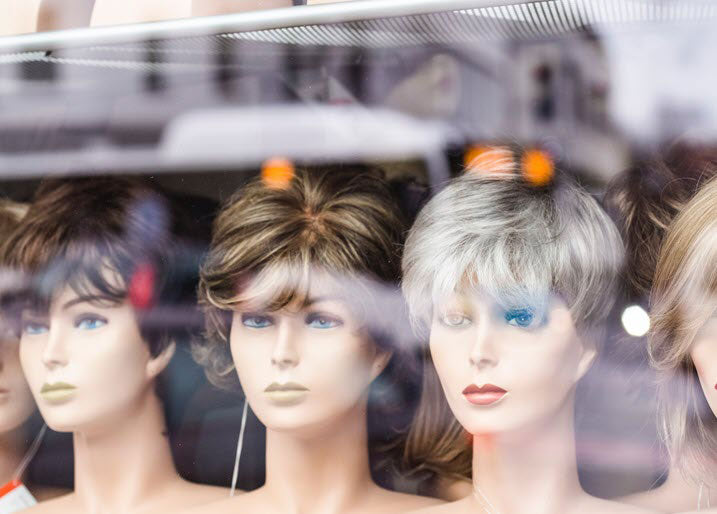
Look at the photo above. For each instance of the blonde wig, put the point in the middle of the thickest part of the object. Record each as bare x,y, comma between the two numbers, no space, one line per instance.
684,296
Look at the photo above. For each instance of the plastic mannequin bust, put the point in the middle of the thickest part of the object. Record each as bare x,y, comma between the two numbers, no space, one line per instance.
118,12
683,347
300,264
98,254
216,7
16,407
18,16
16,402
513,283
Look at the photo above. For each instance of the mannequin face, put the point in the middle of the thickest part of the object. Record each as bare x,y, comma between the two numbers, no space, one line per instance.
16,402
305,367
86,362
704,356
532,359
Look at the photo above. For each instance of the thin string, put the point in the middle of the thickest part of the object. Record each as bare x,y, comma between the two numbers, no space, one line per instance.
31,452
240,443
478,494
699,496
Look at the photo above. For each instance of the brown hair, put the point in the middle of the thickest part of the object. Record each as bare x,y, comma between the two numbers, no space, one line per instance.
95,235
684,296
644,199
337,220
11,213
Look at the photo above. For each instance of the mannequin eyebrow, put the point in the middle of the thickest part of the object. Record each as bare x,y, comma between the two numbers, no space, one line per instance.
318,299
84,299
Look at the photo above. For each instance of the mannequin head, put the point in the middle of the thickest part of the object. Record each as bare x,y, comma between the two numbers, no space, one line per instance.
683,337
298,291
511,284
104,297
16,402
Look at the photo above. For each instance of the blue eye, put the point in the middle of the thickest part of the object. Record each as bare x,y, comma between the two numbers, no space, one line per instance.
256,321
90,322
323,321
524,318
33,328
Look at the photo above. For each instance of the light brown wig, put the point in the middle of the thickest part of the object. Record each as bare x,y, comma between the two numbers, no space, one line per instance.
342,221
270,242
684,296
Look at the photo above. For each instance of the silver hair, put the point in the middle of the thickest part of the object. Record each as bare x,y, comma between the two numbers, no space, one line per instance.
516,242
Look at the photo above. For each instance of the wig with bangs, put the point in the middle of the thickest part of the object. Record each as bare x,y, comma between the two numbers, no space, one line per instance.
520,244
336,225
110,240
269,244
683,298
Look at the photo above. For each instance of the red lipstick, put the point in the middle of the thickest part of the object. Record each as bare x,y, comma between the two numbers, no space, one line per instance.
484,395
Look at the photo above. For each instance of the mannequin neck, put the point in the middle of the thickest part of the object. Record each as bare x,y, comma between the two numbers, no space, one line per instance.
530,470
300,471
125,467
12,450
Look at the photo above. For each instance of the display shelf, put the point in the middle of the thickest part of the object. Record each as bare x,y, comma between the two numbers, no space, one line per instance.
372,23
120,88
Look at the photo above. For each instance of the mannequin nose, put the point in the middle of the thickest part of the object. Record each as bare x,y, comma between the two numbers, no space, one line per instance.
285,354
54,354
483,354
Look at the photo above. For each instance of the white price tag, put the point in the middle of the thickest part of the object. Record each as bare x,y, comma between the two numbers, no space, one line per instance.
14,497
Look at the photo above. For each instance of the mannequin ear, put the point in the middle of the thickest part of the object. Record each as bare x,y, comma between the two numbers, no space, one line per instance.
380,361
158,364
586,359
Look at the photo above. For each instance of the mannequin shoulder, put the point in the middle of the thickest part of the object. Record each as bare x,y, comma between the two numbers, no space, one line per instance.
59,505
192,494
664,499
242,502
456,507
392,501
600,506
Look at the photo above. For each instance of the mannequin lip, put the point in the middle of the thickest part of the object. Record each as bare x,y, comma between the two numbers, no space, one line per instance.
288,386
289,393
487,394
4,394
57,392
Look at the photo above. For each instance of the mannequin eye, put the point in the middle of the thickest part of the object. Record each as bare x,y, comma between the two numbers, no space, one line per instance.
524,318
33,328
256,321
323,321
90,322
454,320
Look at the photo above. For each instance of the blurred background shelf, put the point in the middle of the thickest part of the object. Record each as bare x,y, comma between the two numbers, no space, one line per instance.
578,77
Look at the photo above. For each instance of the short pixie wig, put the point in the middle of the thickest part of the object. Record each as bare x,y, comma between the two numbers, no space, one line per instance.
683,298
518,243
110,240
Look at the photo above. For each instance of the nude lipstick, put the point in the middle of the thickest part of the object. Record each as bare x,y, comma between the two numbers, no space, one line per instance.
487,394
57,392
288,393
